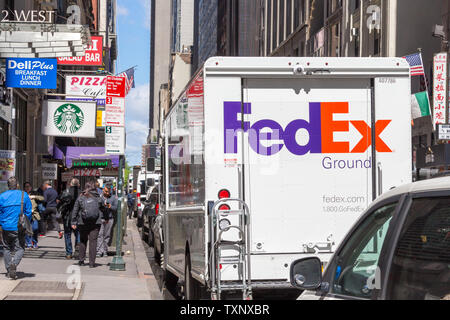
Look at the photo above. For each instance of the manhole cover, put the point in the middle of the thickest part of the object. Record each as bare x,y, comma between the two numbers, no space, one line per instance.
41,290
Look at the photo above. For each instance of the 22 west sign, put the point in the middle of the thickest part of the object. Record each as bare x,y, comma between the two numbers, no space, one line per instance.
31,73
69,119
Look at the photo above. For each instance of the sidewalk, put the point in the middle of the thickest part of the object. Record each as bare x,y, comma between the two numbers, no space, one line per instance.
45,274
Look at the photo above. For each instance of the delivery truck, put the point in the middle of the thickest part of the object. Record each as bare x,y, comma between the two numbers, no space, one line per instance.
269,160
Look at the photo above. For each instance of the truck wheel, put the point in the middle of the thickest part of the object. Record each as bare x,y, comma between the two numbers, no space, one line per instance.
191,286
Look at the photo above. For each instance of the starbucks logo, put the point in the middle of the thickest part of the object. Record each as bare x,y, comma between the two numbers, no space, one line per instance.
68,118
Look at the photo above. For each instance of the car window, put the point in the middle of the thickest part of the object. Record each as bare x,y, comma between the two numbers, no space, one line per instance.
356,266
421,264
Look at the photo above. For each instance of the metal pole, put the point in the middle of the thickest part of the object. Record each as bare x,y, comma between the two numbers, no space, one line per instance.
118,264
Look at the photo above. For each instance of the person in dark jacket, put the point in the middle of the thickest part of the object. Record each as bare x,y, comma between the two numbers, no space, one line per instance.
111,204
130,202
65,206
87,217
13,239
50,198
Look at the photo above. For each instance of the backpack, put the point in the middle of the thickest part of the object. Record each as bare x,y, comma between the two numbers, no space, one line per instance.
91,209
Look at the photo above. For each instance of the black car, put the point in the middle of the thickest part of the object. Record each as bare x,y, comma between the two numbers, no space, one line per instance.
149,214
398,250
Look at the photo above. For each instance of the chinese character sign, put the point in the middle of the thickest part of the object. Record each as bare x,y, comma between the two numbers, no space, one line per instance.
440,88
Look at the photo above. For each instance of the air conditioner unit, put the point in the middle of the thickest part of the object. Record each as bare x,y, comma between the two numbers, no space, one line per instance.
355,32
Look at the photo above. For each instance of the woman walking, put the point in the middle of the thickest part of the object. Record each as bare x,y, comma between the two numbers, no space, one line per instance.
87,217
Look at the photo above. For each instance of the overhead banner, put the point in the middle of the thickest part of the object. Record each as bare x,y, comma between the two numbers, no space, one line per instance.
69,119
440,88
93,56
31,73
89,87
7,168
115,140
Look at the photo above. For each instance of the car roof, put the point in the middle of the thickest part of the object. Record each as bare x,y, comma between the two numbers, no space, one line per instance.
431,185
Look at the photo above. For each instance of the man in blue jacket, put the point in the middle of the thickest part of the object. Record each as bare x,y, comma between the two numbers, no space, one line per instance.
13,240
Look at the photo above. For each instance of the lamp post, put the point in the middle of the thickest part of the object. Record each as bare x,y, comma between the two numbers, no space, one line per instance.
118,263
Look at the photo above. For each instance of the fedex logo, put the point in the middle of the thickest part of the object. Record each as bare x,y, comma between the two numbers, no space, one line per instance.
321,128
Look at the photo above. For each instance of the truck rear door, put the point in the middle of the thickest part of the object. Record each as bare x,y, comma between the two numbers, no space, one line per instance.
307,167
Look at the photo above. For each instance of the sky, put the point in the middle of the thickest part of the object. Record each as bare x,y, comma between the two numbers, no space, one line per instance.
133,27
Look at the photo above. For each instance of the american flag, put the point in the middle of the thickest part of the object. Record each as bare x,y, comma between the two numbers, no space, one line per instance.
415,61
129,80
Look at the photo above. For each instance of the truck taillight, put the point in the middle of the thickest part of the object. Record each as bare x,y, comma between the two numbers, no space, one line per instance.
157,209
224,194
224,207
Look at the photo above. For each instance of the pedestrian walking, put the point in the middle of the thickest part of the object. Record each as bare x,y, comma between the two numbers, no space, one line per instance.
87,217
65,207
111,204
50,198
130,203
12,204
36,199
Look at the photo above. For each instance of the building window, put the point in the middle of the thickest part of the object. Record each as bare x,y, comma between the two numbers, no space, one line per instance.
288,17
4,136
376,42
274,24
269,27
281,22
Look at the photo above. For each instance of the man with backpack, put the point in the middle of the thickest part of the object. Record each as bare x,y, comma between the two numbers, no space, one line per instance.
65,207
87,218
13,203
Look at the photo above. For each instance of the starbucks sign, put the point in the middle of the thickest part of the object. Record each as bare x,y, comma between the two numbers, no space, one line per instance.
69,119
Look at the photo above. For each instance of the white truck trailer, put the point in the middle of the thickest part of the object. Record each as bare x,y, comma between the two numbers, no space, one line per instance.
268,160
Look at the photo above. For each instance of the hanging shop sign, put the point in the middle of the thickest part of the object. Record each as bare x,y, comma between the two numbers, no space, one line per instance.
440,88
115,140
7,167
93,55
90,87
69,119
67,176
101,163
5,100
31,73
49,171
100,118
87,173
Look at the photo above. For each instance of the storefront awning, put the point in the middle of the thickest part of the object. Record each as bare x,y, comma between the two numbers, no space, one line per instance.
84,153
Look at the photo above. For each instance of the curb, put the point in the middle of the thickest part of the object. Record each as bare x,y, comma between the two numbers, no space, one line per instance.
143,266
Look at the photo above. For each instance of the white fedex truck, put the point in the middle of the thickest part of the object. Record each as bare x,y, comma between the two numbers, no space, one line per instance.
268,160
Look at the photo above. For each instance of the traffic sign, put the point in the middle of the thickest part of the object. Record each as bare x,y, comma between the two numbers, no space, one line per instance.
115,140
115,112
